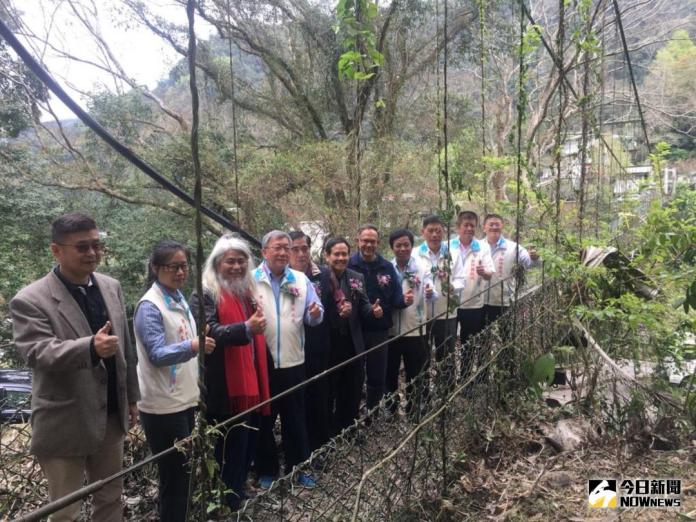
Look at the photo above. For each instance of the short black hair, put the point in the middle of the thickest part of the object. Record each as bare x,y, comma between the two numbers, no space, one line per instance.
398,233
70,223
432,219
467,214
332,242
161,253
492,216
298,234
368,226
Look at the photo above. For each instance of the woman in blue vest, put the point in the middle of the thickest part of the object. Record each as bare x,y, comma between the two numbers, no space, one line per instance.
167,344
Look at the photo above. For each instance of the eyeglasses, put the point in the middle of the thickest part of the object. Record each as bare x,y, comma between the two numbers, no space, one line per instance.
175,267
84,247
280,248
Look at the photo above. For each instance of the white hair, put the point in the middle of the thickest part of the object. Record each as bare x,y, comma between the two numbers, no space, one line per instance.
211,280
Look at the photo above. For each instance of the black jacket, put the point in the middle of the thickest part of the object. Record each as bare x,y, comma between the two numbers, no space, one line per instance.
225,335
390,295
361,306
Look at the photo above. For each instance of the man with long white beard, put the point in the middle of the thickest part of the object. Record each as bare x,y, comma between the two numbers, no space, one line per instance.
236,374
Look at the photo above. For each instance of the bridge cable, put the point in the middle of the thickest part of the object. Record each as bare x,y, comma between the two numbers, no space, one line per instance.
105,135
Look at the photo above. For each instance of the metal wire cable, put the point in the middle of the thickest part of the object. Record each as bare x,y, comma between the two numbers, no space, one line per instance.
110,140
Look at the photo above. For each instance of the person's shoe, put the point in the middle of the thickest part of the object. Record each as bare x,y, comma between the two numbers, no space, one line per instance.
306,481
265,481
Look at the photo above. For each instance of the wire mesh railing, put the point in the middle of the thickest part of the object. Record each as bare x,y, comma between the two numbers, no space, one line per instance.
386,464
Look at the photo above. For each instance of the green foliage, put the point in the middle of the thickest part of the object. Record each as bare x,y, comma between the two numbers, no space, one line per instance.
360,58
19,92
540,372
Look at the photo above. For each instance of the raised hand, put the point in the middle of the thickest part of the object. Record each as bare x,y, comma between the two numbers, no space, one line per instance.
377,311
428,291
257,322
314,310
482,271
209,343
105,344
408,297
345,309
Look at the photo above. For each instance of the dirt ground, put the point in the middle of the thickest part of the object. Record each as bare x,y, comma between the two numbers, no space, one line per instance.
514,474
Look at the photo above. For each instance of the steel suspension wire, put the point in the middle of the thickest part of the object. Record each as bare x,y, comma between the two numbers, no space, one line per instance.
584,115
448,202
619,23
110,140
234,114
482,63
600,151
521,107
199,444
560,44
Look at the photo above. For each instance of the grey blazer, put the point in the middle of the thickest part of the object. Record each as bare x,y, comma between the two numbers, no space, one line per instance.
69,394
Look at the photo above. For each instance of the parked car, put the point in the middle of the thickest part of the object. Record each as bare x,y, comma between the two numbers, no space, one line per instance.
15,394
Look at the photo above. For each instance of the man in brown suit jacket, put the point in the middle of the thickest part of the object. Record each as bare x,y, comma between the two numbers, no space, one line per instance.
70,326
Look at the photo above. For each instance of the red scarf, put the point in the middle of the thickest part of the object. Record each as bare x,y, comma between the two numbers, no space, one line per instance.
246,374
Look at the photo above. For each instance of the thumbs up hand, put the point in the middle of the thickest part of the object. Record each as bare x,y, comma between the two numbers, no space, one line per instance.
257,322
314,310
377,311
408,297
482,271
105,344
345,309
428,291
209,343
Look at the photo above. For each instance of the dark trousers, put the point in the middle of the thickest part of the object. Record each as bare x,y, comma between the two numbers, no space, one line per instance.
234,451
442,334
376,367
414,352
507,356
491,313
345,383
161,432
470,323
293,429
317,397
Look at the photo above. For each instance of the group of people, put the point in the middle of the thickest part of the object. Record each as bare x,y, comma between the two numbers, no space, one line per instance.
267,328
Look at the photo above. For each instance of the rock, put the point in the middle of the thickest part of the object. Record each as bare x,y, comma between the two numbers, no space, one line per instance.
569,434
558,479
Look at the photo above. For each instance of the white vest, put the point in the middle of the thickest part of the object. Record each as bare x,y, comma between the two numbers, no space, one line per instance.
465,279
168,389
434,307
284,330
404,319
504,257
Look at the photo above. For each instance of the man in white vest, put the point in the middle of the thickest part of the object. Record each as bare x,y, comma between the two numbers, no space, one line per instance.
432,253
472,268
506,255
408,324
288,301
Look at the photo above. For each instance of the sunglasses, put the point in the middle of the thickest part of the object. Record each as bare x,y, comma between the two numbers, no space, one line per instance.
84,247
